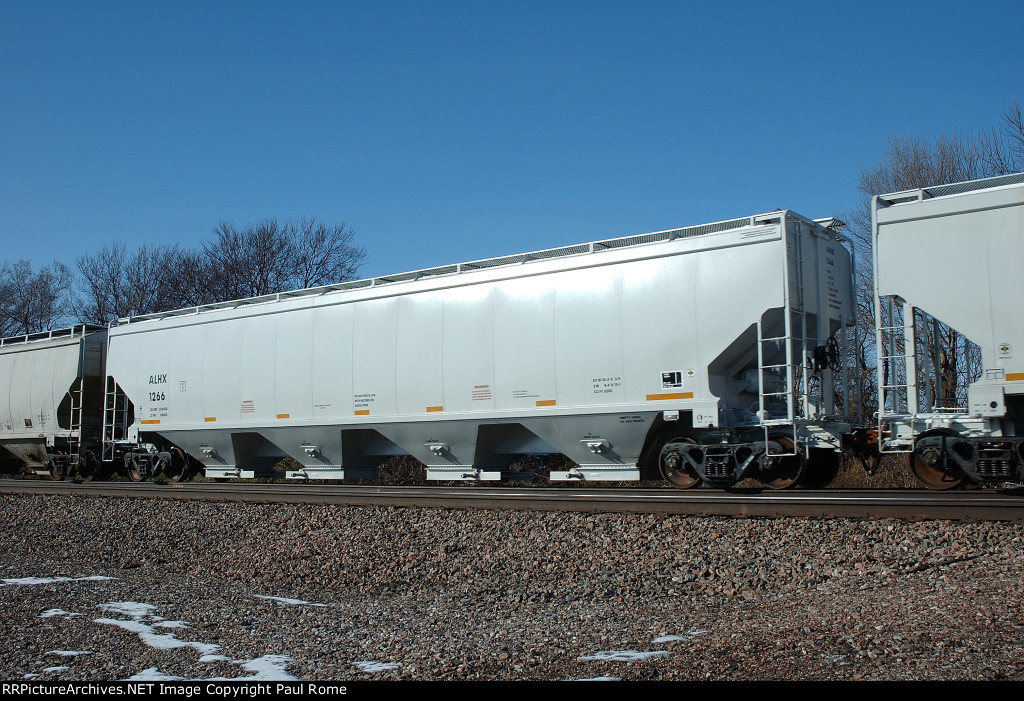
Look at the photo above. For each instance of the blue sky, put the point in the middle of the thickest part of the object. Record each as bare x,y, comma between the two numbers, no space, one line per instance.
450,131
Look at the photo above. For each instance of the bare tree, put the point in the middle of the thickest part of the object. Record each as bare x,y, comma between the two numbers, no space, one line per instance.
191,280
248,262
33,301
114,283
254,260
6,323
269,257
324,254
1003,146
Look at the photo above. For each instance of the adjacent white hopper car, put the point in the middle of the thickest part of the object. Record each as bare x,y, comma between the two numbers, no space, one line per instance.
954,255
51,400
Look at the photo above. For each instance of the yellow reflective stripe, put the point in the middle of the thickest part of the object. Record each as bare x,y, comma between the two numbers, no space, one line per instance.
669,395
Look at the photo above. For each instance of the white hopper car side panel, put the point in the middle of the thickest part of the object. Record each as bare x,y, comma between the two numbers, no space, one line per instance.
617,321
332,367
953,253
187,352
293,363
469,324
36,375
554,341
976,240
524,344
374,355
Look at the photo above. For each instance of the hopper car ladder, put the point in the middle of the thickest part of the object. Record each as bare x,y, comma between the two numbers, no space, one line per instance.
75,424
897,371
794,331
62,459
115,418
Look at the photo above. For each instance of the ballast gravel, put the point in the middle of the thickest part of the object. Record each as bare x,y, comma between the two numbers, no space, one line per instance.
95,588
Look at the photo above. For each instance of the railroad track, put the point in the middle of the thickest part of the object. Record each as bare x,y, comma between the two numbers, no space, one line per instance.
972,505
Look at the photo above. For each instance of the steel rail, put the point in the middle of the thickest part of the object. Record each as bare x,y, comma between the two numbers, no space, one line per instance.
970,505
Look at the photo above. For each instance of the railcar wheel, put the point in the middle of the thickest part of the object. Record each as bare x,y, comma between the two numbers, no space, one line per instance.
131,469
783,471
88,466
928,470
674,469
177,471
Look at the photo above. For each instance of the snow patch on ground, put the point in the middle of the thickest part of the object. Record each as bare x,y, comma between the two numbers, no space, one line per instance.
146,629
267,668
152,674
140,618
160,641
34,581
287,602
690,635
171,624
374,667
50,613
129,608
622,655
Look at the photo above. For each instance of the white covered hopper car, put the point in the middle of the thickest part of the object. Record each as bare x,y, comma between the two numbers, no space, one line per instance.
50,400
713,352
949,263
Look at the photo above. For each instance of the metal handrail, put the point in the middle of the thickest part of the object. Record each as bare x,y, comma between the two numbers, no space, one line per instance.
69,332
